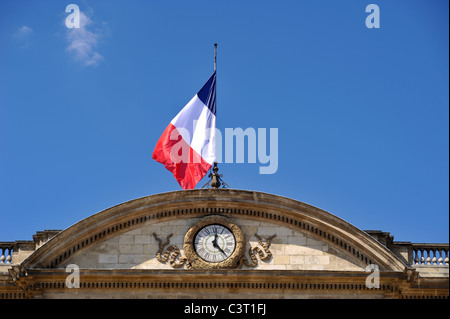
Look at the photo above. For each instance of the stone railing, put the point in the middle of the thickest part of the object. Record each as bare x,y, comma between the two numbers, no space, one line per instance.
14,252
414,254
430,254
6,252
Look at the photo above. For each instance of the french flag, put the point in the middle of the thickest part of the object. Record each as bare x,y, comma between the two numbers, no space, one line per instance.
187,147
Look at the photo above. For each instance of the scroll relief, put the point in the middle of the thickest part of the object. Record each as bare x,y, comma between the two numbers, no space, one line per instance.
173,251
252,250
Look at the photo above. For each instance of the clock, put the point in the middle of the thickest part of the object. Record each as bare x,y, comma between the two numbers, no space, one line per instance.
214,242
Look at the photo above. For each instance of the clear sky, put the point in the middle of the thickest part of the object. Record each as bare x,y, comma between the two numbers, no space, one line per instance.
362,114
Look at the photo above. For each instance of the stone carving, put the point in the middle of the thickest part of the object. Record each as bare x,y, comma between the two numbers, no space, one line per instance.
251,251
193,261
173,251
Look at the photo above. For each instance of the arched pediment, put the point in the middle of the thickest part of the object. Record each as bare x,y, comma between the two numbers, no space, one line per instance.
296,224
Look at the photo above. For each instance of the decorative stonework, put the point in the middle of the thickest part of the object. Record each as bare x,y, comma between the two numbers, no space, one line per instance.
169,250
193,261
266,257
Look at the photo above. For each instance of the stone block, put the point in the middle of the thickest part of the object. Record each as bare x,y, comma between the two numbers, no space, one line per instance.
126,239
142,239
126,258
296,239
107,258
296,260
150,249
278,249
125,248
281,260
137,249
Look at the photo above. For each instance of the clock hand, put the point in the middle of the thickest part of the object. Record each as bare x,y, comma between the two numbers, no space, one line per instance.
214,242
217,246
220,249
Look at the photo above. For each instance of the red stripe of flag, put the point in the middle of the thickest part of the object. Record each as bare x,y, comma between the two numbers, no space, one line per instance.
186,165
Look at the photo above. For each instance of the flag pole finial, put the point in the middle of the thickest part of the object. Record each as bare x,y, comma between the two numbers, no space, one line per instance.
215,56
215,179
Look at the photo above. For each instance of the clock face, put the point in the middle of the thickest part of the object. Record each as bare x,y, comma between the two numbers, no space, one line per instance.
214,243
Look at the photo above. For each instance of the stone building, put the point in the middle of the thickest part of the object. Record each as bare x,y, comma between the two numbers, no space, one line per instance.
220,243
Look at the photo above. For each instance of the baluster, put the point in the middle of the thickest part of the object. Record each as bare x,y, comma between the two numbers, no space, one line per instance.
9,256
441,260
446,258
422,258
2,257
434,259
428,257
416,256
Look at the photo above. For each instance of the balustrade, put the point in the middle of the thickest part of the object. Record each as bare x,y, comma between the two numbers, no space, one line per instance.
430,254
6,252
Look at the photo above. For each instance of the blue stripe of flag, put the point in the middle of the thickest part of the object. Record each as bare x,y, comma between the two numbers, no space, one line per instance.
207,94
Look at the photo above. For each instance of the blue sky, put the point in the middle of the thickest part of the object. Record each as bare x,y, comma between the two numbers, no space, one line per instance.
362,114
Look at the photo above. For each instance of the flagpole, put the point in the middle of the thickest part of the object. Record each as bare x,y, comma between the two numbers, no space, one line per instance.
215,68
215,56
215,178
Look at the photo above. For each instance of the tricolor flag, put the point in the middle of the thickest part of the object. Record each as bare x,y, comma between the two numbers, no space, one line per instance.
187,147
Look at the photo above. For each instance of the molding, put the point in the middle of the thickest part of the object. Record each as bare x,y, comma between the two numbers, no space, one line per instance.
230,282
345,284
